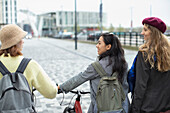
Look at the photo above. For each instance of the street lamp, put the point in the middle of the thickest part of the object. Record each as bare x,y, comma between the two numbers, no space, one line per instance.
101,7
131,23
75,26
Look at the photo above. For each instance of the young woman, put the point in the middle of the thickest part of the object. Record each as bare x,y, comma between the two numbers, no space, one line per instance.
111,57
11,37
152,89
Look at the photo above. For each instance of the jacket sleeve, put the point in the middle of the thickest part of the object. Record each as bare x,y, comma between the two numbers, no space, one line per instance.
40,80
79,79
142,77
131,76
125,86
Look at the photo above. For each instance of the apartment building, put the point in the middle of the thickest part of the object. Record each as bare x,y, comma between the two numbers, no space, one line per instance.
8,12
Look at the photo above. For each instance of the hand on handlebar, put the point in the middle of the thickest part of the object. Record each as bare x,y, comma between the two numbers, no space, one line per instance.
59,90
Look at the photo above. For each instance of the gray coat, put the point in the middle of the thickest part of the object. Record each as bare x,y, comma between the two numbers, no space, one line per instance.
94,78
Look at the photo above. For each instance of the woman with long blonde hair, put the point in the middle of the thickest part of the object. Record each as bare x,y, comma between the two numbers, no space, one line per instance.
158,45
152,89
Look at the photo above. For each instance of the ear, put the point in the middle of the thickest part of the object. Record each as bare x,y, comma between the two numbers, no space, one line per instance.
108,46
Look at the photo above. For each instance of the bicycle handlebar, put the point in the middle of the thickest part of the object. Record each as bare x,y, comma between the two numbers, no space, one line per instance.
81,92
75,92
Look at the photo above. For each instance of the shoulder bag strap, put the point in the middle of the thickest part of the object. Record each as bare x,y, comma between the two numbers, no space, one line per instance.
99,69
23,65
3,69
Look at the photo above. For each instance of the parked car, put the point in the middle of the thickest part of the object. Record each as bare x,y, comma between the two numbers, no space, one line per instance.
81,36
59,36
167,33
28,36
67,35
64,35
94,36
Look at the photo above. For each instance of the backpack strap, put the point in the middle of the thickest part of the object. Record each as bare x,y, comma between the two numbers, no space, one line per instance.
23,65
115,74
3,69
99,69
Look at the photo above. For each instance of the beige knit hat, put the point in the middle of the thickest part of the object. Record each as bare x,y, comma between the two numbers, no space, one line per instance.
10,35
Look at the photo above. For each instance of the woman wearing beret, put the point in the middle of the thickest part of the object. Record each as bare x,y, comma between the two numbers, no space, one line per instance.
11,37
152,89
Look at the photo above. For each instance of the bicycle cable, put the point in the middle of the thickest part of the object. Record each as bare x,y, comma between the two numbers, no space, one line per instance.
61,103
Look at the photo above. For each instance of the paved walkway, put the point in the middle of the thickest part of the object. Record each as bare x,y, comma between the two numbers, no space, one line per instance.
61,61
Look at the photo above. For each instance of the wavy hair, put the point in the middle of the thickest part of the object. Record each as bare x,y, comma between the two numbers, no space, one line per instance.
116,52
13,51
157,47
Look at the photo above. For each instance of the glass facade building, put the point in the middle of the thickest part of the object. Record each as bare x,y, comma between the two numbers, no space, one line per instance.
64,21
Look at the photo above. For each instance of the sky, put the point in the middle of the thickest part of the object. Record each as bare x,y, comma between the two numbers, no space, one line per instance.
119,12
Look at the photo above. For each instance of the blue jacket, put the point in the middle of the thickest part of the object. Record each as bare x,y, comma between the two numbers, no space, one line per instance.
131,76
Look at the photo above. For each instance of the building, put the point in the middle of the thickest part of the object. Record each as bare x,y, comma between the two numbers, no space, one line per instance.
28,21
8,12
52,23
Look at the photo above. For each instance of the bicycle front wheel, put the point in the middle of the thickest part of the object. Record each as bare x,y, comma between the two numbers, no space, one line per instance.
69,110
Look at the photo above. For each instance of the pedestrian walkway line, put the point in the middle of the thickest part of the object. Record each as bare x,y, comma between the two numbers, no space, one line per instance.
75,53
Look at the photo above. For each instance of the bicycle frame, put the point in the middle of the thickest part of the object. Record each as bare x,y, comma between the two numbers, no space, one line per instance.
77,105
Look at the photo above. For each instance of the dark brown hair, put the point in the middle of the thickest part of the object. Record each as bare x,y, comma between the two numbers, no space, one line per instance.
117,53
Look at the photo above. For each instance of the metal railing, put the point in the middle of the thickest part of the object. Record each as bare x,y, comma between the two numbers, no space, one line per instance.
126,38
130,38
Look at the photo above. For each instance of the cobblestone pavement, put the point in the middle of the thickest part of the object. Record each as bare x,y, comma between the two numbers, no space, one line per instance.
61,61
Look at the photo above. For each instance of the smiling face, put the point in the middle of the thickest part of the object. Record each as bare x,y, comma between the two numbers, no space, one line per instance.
101,46
146,32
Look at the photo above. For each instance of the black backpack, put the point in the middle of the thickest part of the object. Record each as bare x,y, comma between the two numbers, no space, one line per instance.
15,93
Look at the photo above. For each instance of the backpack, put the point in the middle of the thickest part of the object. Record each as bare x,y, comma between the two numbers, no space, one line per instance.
15,93
110,94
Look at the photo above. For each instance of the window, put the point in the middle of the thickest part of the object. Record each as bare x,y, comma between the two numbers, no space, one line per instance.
6,3
66,18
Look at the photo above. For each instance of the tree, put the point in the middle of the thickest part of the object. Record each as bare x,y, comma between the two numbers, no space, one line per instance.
111,28
120,29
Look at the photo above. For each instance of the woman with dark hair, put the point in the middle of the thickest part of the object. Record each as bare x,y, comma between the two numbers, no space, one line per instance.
111,58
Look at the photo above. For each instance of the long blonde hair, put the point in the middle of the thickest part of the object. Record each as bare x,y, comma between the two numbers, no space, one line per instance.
157,46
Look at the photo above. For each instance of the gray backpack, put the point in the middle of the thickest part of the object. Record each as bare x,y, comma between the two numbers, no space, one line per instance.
15,93
110,94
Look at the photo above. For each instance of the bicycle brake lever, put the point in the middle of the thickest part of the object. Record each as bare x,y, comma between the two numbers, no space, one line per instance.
59,90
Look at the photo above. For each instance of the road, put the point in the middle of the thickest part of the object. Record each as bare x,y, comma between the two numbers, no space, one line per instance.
61,61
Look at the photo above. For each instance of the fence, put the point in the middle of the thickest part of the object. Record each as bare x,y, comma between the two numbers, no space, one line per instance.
130,38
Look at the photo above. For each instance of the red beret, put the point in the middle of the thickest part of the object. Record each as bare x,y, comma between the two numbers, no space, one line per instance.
155,22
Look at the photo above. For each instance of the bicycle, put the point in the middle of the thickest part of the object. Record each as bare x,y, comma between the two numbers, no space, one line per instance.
77,106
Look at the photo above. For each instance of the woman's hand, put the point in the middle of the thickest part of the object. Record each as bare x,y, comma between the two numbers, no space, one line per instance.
59,90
